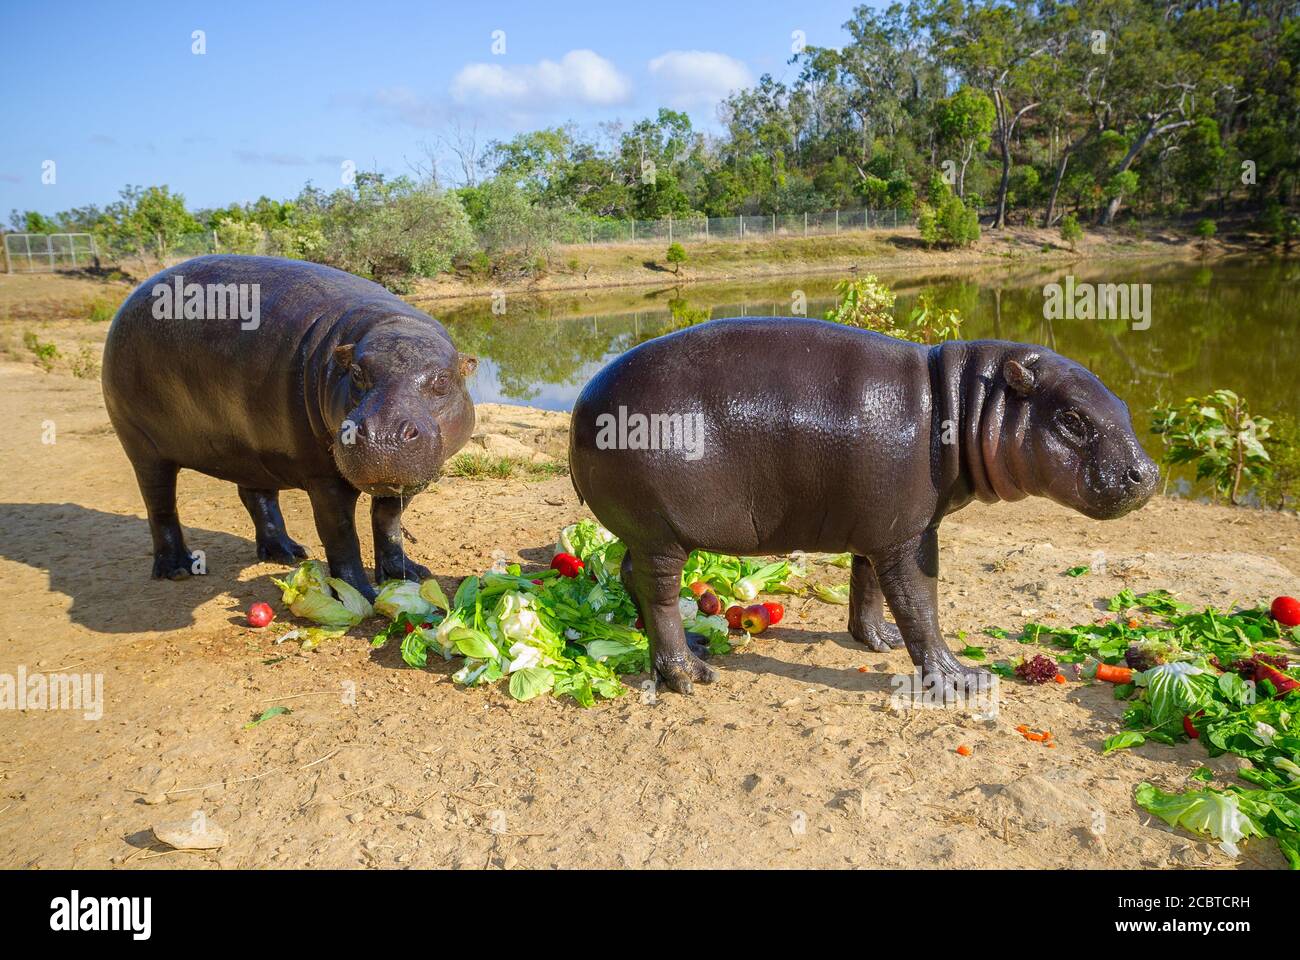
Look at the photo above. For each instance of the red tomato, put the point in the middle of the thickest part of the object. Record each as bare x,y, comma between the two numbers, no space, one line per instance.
1286,611
410,627
698,588
733,616
775,612
260,614
1190,730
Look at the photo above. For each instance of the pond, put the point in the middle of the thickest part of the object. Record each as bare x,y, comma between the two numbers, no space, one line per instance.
1205,326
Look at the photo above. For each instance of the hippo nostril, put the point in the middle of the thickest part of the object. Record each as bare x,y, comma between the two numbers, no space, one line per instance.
409,432
1135,476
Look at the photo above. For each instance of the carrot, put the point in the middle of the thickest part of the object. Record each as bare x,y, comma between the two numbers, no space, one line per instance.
964,750
862,669
1036,737
1022,729
1052,745
1133,624
1047,734
1113,674
1059,678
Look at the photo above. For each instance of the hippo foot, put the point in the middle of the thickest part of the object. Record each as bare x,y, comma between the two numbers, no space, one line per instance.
356,578
173,566
402,567
881,636
681,671
698,645
283,550
942,673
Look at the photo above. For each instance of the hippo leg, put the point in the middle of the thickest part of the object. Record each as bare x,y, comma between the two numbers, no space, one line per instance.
656,583
909,577
334,505
172,559
696,643
273,541
391,562
867,623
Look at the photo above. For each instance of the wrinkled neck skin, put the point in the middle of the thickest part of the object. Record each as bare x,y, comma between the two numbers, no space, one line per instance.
991,458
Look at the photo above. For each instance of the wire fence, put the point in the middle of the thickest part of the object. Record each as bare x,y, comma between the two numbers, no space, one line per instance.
37,252
702,229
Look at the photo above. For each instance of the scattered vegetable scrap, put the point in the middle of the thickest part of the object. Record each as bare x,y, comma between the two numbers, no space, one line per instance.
1225,680
1038,669
570,630
964,750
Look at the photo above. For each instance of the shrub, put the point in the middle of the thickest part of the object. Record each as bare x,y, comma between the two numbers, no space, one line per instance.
1218,434
1071,232
100,310
946,220
44,351
676,256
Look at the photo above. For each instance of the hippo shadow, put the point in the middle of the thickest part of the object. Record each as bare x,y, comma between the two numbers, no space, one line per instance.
102,561
838,678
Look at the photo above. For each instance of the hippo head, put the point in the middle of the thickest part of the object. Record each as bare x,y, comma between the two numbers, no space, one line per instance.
407,409
1057,431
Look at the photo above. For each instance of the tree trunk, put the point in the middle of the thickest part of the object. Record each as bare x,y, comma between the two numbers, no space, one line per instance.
1056,188
1148,134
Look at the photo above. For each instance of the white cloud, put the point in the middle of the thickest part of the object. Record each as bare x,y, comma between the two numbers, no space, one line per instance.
580,77
697,78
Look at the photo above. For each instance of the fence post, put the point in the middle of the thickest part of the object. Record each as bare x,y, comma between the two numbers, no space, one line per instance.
27,240
670,231
9,262
837,222
706,228
634,229
591,227
805,223
742,224
49,250
774,224
215,247
72,245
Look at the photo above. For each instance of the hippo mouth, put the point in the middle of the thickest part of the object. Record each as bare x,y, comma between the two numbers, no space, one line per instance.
405,491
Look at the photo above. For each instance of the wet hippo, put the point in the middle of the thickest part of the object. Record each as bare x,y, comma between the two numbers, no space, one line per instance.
766,435
274,374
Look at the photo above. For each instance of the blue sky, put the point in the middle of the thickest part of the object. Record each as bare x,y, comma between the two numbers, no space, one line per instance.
285,93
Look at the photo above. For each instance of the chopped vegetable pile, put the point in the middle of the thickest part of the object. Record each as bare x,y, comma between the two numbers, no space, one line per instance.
1223,679
569,631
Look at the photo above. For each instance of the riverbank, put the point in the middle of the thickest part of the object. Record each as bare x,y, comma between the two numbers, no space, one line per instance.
793,758
599,268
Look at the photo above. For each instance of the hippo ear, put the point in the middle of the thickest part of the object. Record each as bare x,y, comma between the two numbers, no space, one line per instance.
344,354
468,364
1019,377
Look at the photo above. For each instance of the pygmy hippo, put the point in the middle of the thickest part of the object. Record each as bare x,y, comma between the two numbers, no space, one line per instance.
766,435
278,374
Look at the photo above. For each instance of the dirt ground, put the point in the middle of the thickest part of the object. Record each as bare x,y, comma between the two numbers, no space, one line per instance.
794,758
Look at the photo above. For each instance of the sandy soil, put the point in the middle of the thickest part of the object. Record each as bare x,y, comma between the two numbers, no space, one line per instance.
794,758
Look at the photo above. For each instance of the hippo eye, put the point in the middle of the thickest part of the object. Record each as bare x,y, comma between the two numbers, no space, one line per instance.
1074,426
358,376
442,382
